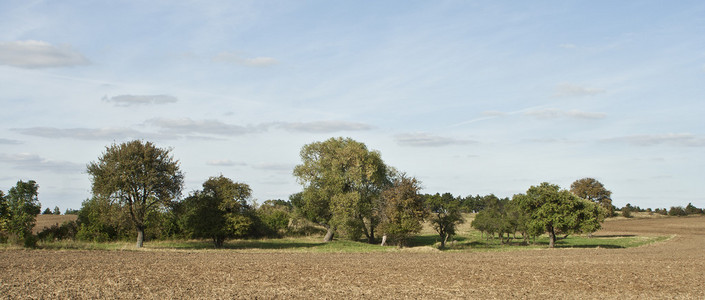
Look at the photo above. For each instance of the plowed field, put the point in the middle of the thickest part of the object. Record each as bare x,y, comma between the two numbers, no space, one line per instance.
674,268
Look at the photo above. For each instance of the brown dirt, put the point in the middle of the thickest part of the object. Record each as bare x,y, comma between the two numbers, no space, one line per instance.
46,221
671,269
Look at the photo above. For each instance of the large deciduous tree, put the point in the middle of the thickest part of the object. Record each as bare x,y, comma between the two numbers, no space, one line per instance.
220,211
342,183
403,210
593,190
140,176
22,209
555,211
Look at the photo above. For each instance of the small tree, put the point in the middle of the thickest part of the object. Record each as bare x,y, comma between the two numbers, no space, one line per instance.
444,215
220,211
403,210
57,211
677,211
692,210
23,207
139,175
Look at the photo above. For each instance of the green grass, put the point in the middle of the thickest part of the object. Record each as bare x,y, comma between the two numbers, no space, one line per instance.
472,241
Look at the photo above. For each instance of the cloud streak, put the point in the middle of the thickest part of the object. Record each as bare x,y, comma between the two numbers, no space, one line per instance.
553,113
80,133
671,139
236,58
428,140
38,54
573,90
34,162
323,126
130,100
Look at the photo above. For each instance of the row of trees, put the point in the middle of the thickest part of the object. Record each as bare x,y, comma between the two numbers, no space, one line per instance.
545,208
347,189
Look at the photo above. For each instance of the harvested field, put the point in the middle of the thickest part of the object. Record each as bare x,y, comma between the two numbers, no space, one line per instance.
671,269
46,221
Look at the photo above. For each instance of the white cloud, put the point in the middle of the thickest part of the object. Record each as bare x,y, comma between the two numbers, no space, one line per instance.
274,167
553,113
568,46
224,163
9,142
672,139
234,57
80,133
494,113
38,54
189,126
324,126
33,162
128,100
427,140
573,90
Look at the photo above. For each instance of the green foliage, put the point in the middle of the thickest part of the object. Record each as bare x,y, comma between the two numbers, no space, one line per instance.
692,210
403,210
100,220
47,211
677,211
138,175
557,211
445,215
626,212
342,183
66,230
275,216
593,190
57,211
21,212
220,211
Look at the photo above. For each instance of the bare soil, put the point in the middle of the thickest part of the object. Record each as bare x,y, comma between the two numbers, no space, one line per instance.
674,268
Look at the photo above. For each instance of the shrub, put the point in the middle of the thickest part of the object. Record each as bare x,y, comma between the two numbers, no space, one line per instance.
677,211
626,212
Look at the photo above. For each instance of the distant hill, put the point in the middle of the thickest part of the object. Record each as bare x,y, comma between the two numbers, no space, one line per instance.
46,221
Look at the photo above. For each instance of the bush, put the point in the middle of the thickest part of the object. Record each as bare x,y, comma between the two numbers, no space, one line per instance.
67,230
677,211
626,212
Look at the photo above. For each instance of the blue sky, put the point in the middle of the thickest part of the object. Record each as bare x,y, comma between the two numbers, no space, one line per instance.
471,97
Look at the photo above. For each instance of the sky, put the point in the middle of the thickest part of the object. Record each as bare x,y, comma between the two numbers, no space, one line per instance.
469,97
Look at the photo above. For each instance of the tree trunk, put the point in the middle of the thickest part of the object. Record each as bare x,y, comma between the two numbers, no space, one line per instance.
371,237
140,237
551,237
329,235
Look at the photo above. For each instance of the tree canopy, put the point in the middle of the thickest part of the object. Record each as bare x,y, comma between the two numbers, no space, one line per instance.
593,190
403,210
139,175
445,215
342,182
220,211
554,211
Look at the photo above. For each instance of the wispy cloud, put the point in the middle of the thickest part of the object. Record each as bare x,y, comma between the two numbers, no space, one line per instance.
553,113
9,142
428,140
274,167
224,163
568,46
80,133
324,126
188,126
38,54
34,162
237,58
573,90
129,100
672,139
